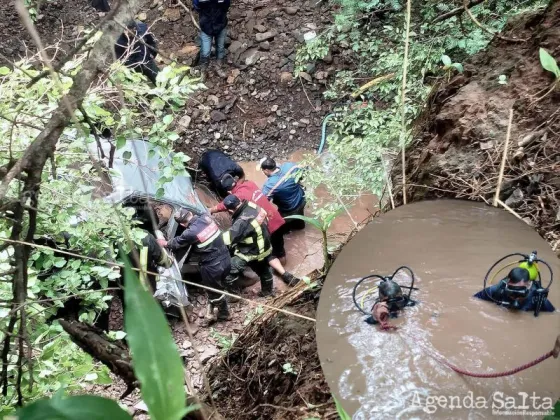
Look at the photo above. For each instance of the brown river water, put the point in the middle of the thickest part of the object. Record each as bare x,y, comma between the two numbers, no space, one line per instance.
449,245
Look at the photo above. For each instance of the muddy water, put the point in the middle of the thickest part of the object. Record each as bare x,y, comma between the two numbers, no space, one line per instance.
449,245
303,248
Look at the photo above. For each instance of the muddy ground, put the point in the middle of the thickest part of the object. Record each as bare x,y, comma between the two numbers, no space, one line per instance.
460,146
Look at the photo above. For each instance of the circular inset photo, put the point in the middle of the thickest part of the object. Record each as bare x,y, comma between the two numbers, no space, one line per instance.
442,309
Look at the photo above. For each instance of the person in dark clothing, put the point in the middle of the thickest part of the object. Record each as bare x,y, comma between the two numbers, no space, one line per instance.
388,305
248,190
151,257
250,240
216,165
137,47
213,25
517,291
284,189
204,235
100,5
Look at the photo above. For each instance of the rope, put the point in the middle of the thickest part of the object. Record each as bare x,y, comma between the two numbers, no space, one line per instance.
497,374
553,353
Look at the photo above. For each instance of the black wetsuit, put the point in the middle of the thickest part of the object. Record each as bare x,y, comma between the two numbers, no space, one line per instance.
497,292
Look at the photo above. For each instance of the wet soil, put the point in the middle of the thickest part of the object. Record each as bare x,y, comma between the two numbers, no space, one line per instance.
450,245
460,144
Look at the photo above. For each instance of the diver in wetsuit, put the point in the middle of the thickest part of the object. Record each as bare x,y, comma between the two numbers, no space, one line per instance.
518,291
390,301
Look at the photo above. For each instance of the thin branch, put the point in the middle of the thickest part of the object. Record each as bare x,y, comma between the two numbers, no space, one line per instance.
456,11
403,99
485,29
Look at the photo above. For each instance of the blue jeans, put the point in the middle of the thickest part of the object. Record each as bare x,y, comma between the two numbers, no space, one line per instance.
206,45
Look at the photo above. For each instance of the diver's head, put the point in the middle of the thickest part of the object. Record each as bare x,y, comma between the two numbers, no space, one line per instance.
518,284
391,293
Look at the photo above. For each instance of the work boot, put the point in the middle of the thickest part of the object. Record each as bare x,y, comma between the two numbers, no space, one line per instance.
204,65
290,279
220,68
267,288
209,317
223,310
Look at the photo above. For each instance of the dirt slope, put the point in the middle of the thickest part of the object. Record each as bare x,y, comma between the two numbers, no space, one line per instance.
258,108
459,149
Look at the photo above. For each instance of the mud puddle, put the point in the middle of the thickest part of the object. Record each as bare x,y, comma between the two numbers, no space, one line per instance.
450,245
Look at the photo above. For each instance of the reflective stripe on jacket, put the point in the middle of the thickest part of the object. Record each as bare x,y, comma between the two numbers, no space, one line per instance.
249,235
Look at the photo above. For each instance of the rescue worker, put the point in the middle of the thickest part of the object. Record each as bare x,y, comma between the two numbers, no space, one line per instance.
215,165
213,24
137,47
204,235
388,304
517,291
248,190
250,240
284,189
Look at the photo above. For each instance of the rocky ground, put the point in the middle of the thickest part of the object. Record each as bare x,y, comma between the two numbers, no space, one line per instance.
257,109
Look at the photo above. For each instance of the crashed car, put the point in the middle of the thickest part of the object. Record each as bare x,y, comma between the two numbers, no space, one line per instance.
133,175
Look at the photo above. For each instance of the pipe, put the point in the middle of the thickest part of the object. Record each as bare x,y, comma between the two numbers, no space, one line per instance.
324,132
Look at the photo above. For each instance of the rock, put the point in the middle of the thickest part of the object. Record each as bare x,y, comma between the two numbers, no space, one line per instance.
328,58
208,352
185,122
218,116
291,10
172,14
250,57
142,16
214,99
204,141
322,75
265,46
286,77
187,344
310,68
265,36
237,47
217,135
305,121
141,406
188,51
305,76
260,28
234,75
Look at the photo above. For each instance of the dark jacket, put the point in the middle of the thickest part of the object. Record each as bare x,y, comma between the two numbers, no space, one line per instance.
205,237
249,235
528,304
215,165
138,52
213,15
100,5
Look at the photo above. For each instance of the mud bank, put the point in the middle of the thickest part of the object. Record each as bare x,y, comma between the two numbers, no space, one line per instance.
449,245
460,144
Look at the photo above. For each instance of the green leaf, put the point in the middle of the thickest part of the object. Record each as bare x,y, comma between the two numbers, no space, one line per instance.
4,71
160,192
458,67
121,141
341,412
168,119
446,60
313,222
84,407
127,155
549,63
157,363
556,413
